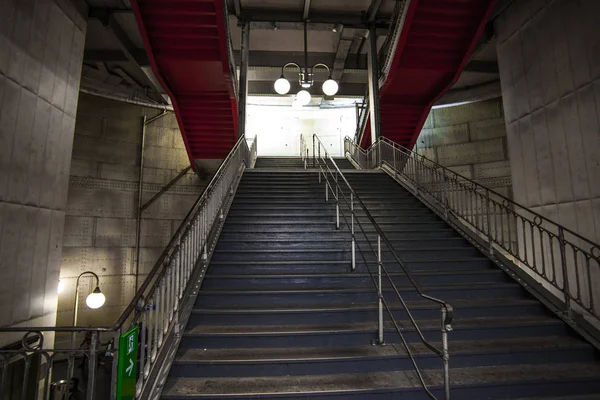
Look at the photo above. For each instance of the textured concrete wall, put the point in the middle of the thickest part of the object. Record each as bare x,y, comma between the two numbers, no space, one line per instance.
41,52
549,58
471,140
100,228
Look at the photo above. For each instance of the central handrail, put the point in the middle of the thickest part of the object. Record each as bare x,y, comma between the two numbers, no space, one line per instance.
332,182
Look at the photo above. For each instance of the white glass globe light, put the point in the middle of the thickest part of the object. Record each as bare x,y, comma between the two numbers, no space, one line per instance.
95,299
303,97
330,87
282,86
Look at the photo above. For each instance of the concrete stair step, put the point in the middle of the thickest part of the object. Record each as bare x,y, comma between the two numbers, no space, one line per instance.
484,382
297,361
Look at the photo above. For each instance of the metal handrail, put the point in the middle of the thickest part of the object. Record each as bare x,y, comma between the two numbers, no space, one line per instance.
388,49
156,305
332,183
363,118
303,151
538,246
230,56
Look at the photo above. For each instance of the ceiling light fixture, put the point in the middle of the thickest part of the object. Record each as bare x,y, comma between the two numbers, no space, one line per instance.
305,78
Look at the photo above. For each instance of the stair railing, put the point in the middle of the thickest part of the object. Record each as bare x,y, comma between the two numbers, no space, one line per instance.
388,49
158,311
362,158
344,195
362,118
304,151
559,265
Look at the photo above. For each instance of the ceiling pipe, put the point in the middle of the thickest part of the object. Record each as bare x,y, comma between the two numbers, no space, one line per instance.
126,100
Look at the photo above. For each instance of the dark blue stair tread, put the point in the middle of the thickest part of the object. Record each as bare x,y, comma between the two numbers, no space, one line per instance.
357,289
458,273
459,323
300,262
329,212
349,384
321,221
412,305
329,249
462,241
298,354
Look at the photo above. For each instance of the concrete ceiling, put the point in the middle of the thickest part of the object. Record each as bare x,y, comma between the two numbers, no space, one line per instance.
115,61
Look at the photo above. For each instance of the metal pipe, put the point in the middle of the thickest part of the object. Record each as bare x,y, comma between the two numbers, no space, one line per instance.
306,9
373,9
373,69
337,203
139,204
446,353
165,188
565,272
489,222
126,100
379,294
305,51
157,117
306,159
243,93
353,237
25,377
92,363
313,152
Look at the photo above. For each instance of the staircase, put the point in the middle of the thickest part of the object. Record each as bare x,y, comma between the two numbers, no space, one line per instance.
281,315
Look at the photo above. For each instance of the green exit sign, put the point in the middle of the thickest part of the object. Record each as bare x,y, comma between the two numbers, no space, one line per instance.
127,371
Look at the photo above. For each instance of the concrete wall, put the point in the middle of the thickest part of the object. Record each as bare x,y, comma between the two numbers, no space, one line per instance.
41,52
100,228
469,139
549,58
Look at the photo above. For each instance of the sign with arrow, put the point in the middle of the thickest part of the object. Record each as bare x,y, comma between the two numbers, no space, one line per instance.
128,361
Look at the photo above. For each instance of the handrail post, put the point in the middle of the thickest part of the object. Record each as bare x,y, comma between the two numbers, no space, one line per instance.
337,202
319,145
306,159
563,259
92,361
446,202
445,353
380,294
353,237
115,365
394,156
489,221
314,151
